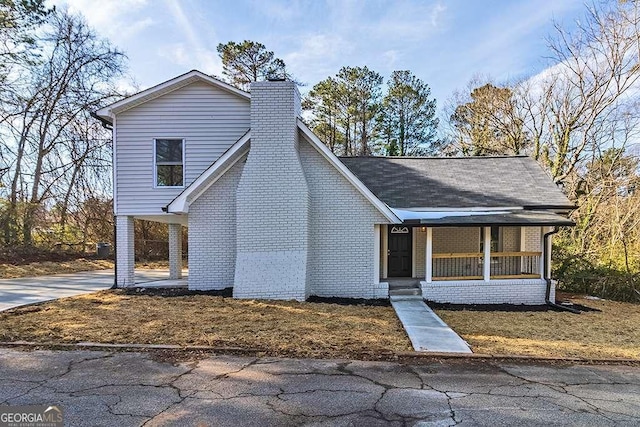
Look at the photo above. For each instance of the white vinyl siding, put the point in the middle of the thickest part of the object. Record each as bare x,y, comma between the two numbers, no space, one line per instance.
208,119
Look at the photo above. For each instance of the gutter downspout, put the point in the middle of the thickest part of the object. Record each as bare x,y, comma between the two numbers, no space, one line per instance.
109,126
546,247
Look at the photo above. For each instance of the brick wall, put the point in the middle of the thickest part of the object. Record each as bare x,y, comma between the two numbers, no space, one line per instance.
510,239
451,239
175,251
341,250
517,291
212,234
272,200
532,238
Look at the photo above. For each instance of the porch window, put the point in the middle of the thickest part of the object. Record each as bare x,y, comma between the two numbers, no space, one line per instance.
169,162
496,239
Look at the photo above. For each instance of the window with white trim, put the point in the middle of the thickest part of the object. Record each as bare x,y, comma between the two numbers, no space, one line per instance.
496,239
169,162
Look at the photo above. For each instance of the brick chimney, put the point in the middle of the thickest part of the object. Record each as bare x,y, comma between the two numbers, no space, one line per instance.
272,200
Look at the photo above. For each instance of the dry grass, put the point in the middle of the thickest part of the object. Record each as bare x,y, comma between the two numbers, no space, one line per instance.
46,268
612,333
286,328
276,328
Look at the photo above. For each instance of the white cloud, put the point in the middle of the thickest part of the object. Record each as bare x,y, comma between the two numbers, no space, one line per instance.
117,20
276,10
390,57
188,57
436,14
193,52
407,22
315,55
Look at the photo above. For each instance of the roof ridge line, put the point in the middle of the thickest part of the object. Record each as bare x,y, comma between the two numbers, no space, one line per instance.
519,156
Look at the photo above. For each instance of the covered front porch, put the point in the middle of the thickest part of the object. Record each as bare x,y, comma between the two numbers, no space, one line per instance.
467,264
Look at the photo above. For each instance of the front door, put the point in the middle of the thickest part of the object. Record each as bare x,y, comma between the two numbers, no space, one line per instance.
400,248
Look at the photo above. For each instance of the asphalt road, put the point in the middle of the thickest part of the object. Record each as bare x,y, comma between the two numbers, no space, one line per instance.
130,389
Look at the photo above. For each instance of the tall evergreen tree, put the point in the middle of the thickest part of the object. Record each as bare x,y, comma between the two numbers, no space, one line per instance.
249,61
408,121
344,110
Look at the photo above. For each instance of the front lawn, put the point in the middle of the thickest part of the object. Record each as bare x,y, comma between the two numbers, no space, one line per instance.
613,332
277,328
315,329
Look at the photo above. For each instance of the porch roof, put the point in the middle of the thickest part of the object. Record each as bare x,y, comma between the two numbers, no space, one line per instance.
479,219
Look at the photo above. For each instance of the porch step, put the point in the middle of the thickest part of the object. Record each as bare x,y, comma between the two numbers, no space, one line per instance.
405,292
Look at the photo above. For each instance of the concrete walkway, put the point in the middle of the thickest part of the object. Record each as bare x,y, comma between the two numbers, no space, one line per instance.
29,290
426,330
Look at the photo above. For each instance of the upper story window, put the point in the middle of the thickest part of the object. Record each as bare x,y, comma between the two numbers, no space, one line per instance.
169,162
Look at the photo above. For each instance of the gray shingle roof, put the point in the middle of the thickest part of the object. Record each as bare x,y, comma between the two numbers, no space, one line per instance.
457,182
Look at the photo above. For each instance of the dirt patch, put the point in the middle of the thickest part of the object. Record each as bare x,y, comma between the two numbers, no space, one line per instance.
487,307
604,329
176,292
378,302
272,328
507,307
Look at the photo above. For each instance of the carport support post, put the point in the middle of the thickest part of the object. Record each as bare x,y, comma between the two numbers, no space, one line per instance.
487,254
125,255
429,256
175,251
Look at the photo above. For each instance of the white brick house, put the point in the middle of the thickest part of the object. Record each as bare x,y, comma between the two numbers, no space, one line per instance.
274,214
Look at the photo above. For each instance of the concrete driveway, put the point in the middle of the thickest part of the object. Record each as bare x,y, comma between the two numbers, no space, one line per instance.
130,389
28,290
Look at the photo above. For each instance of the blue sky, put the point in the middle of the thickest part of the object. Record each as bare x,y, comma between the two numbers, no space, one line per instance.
443,42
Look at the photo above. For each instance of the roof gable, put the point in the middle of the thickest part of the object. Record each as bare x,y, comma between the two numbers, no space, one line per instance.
352,178
157,91
458,182
207,178
181,203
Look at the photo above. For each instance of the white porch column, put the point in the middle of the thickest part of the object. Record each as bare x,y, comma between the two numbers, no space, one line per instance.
376,254
523,244
385,251
487,254
429,256
175,251
125,255
542,254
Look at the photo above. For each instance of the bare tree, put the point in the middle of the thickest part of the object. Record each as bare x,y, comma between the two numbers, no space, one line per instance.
595,79
76,75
